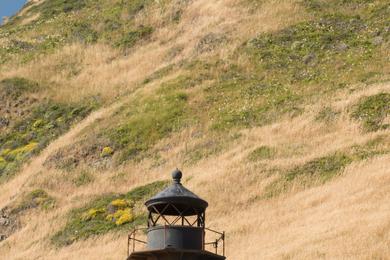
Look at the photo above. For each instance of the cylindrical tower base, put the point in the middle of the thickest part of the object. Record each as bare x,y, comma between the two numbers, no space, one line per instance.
177,237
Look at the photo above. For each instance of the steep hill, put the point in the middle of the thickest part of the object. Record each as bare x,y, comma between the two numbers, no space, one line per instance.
278,113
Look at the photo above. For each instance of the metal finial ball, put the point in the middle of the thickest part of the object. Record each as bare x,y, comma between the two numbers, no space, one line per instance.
176,176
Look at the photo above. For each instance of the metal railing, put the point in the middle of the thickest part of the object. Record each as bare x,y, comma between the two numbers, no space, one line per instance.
218,240
133,240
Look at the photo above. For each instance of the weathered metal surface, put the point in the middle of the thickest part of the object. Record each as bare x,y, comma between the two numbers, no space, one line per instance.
177,195
178,237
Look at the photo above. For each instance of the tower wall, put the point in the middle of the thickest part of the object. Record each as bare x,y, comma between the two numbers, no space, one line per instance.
178,237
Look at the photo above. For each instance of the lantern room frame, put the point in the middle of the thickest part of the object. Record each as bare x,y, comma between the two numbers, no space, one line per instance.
176,227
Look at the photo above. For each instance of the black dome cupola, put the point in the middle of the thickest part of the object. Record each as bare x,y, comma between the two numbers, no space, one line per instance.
176,199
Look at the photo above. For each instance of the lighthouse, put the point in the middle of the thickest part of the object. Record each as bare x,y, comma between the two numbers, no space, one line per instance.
176,228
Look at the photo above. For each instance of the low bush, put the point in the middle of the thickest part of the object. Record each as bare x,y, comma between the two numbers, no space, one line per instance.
132,37
15,87
108,213
35,199
54,7
261,153
372,112
83,178
322,168
106,152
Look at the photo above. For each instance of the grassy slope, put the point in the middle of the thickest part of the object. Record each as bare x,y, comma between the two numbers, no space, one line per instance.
277,103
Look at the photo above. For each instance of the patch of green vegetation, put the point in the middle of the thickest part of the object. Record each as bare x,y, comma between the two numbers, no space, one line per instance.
372,112
230,97
30,135
285,68
108,213
334,5
48,9
83,32
327,114
130,38
213,145
35,199
19,153
3,163
325,168
261,153
159,74
83,178
202,151
148,120
15,87
309,51
210,42
89,22
318,170
375,147
242,103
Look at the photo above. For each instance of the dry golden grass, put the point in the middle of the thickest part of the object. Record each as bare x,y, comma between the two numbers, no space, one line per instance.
347,218
79,71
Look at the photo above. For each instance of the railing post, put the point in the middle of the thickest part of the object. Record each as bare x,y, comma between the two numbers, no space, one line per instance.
128,245
134,240
223,240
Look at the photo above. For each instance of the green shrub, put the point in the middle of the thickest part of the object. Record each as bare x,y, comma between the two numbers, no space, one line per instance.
106,152
35,199
263,152
323,168
55,7
92,213
104,215
203,150
3,164
213,145
327,114
335,5
159,74
316,171
134,6
83,32
372,111
83,178
380,145
132,37
20,153
122,216
15,87
120,203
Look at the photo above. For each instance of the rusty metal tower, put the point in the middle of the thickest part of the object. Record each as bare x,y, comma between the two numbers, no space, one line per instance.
176,228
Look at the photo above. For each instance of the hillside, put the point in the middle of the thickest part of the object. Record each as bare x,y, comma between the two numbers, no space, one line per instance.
278,113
